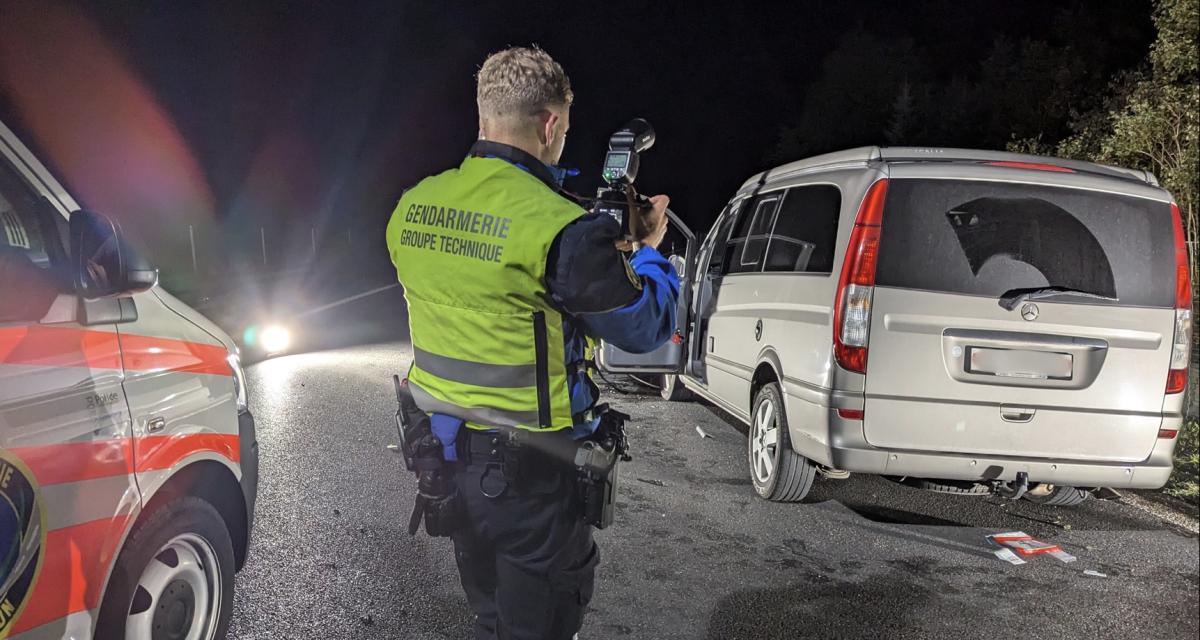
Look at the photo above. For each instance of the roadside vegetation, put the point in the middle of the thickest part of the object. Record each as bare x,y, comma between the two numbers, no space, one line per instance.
1185,481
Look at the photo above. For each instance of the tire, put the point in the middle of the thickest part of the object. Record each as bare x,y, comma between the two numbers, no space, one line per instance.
189,544
953,487
1061,497
673,390
779,473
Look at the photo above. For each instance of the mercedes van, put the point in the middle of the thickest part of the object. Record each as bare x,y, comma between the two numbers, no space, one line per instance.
970,321
128,457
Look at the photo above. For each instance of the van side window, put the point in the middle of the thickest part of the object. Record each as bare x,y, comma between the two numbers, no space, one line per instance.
714,243
27,253
747,243
805,231
760,230
20,224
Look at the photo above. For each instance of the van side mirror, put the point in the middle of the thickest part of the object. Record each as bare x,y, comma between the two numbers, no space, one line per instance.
103,263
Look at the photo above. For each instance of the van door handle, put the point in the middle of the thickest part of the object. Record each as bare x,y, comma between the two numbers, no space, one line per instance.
1016,414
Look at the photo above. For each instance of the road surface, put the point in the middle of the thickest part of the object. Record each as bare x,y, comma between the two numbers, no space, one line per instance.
693,555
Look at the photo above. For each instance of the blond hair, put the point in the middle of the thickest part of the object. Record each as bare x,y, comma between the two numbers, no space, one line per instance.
518,83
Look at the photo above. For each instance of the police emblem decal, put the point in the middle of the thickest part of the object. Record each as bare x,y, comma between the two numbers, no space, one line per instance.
22,538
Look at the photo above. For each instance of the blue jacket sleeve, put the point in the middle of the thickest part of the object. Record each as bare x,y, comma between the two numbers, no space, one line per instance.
650,321
630,303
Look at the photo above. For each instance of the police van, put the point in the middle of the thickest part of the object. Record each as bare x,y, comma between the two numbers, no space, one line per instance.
128,457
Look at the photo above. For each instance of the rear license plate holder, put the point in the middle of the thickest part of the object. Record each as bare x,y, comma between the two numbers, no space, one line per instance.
1019,363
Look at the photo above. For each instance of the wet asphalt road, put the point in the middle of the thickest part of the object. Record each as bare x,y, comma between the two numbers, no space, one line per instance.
694,554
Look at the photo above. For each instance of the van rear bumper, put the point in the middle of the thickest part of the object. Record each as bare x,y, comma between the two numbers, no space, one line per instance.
851,452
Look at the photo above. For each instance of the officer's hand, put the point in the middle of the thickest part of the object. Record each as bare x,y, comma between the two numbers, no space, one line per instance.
656,221
650,226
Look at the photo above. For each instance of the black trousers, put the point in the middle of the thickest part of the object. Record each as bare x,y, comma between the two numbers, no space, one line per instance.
526,560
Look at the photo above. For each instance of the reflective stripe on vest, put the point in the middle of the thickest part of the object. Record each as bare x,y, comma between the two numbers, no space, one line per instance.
470,247
479,415
479,374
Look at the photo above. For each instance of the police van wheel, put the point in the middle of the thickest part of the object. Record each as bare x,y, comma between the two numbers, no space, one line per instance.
174,577
779,473
673,389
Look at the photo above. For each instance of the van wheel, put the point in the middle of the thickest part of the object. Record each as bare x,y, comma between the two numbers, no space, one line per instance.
1061,497
779,473
673,390
174,577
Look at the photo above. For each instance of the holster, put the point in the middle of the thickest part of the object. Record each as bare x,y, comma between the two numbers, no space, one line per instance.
597,462
438,501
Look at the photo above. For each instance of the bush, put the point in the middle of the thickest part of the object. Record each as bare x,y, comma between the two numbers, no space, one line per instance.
1185,480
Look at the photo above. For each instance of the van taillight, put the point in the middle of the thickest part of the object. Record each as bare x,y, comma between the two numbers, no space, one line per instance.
1177,376
852,303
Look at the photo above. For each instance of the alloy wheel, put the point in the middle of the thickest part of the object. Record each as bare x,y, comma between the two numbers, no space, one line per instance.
764,441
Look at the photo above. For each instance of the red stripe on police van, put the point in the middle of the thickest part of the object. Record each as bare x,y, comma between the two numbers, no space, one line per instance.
155,453
80,461
75,564
46,346
147,353
59,347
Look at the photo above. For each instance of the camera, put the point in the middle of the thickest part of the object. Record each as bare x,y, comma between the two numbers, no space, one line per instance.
618,197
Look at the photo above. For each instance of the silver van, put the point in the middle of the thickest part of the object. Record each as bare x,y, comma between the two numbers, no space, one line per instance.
970,321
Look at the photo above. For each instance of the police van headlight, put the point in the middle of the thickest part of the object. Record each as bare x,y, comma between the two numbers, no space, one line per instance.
239,382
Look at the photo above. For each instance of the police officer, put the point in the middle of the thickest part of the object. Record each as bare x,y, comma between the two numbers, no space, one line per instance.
506,279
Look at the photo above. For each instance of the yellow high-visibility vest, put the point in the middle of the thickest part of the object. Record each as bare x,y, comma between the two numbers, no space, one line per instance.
470,247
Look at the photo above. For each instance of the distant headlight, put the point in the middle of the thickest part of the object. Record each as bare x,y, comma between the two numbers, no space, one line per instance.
275,339
239,382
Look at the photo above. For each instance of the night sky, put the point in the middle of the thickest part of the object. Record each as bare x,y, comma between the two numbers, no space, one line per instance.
321,113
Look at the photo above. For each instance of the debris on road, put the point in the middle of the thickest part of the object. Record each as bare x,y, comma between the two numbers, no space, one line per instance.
1094,573
394,448
367,620
702,433
1007,555
1025,545
657,483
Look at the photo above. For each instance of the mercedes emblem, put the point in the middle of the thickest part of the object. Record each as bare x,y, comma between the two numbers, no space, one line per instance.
1029,311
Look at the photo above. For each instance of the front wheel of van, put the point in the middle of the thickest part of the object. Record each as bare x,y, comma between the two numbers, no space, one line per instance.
173,578
779,473
1060,496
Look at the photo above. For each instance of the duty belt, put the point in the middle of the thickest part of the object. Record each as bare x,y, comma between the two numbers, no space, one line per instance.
480,446
517,448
